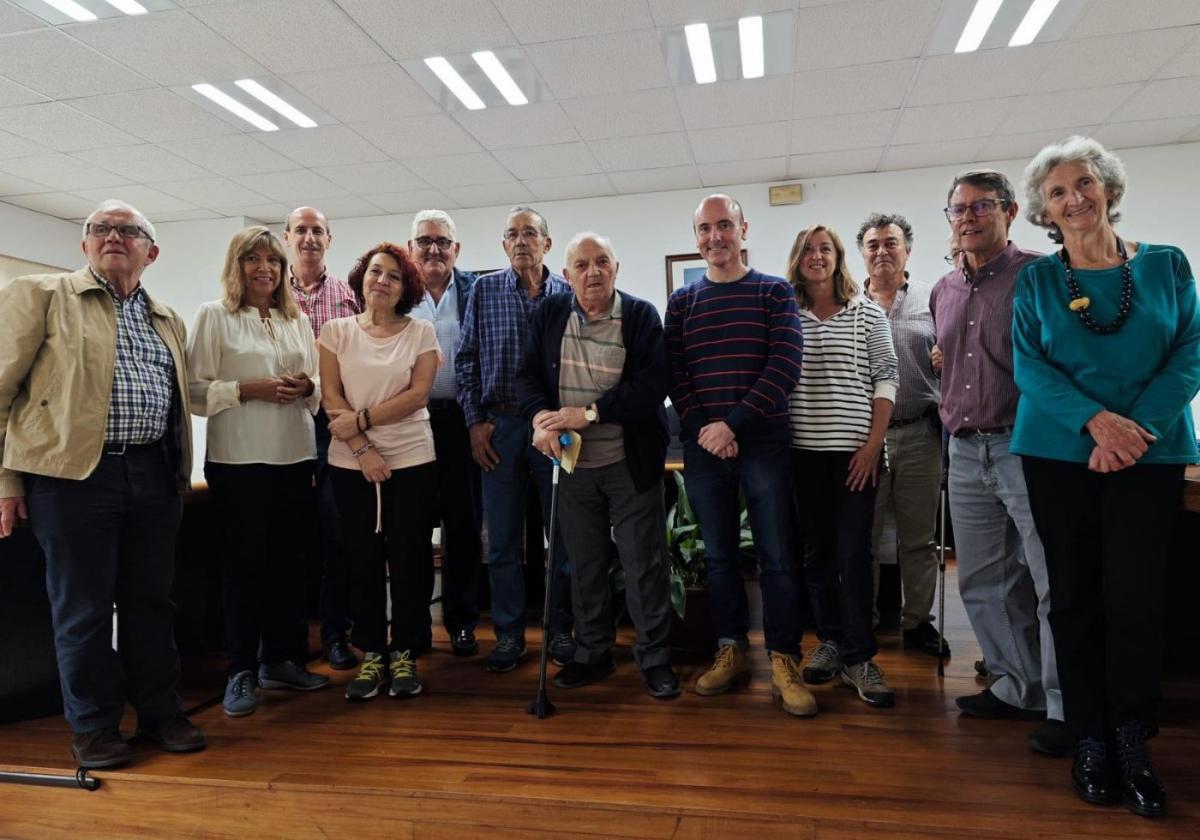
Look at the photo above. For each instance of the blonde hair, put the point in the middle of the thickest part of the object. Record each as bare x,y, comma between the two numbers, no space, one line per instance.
233,279
844,287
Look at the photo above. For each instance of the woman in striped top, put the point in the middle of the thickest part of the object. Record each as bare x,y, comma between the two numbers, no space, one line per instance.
838,414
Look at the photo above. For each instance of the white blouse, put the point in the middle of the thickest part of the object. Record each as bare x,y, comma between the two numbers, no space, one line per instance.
226,347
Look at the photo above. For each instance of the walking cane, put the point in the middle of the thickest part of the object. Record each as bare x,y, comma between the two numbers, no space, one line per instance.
945,469
541,705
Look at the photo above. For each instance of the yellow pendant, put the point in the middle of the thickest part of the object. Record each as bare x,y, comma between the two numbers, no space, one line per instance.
1080,303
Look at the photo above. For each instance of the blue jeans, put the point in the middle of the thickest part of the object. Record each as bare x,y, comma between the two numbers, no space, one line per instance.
761,471
504,506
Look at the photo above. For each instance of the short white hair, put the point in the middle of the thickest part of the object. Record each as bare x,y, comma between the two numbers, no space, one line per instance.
1105,164
440,217
110,204
584,236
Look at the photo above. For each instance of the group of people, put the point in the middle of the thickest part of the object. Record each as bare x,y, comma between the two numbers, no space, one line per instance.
416,395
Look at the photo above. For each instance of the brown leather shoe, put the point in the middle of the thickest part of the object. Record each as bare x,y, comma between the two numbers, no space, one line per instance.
176,734
100,748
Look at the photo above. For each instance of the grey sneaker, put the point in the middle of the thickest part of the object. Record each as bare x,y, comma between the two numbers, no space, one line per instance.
506,654
867,680
404,675
562,648
239,698
288,674
369,680
823,663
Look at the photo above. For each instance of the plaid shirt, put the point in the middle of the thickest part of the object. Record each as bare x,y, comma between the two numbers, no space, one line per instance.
332,298
143,377
913,336
492,343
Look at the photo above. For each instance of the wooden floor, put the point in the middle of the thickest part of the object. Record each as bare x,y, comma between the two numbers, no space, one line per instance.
464,760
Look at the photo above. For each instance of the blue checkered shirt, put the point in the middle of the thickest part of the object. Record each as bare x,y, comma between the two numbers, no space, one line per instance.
492,343
144,375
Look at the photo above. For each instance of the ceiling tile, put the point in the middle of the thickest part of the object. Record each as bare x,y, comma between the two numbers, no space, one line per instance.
573,186
602,64
231,154
549,161
1161,99
744,172
185,216
411,201
417,136
172,48
460,170
144,163
348,207
324,145
407,31
986,74
61,128
741,142
930,123
61,172
920,155
211,192
56,65
1027,143
834,163
270,214
369,92
146,199
1108,17
15,185
862,32
624,114
650,151
384,176
13,19
1129,57
1187,63
58,205
12,93
293,187
536,124
845,131
652,180
1065,108
1145,132
13,146
677,12
155,115
554,20
290,36
490,195
845,90
739,102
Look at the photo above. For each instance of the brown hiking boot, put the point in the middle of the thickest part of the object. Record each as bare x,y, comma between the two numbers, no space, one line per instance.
730,666
787,685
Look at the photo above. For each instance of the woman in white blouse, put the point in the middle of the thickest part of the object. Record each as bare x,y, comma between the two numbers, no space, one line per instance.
252,368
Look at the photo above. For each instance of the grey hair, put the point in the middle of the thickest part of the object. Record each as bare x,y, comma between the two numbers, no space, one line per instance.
985,179
1105,164
542,224
583,236
440,217
883,220
110,204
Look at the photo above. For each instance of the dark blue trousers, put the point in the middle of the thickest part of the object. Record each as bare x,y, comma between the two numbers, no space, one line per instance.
335,567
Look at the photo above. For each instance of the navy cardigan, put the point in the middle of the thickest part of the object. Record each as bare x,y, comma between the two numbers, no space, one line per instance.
637,400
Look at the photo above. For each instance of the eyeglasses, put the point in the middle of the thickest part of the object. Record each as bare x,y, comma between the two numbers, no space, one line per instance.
952,257
514,235
982,207
101,230
425,242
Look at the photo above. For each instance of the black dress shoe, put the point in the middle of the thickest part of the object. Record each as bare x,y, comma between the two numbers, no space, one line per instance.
988,705
463,643
1092,774
1141,790
341,657
100,748
579,674
177,735
924,637
1053,738
661,681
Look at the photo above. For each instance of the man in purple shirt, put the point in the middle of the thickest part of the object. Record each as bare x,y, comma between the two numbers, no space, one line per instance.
1001,566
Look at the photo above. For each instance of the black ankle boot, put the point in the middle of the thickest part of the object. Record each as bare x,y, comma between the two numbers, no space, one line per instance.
1093,774
1140,789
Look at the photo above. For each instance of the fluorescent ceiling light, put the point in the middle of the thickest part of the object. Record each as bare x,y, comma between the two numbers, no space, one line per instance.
977,25
750,38
700,46
500,78
71,9
450,78
1039,12
129,7
230,104
275,103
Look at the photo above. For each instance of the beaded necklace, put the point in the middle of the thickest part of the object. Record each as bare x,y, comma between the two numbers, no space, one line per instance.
1081,305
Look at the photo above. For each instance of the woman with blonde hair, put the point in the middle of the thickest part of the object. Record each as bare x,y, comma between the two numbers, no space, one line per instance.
252,368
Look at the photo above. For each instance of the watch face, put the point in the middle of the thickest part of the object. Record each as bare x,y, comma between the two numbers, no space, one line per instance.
590,415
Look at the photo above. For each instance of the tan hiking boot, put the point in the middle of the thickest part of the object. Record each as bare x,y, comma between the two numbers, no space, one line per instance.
729,667
787,685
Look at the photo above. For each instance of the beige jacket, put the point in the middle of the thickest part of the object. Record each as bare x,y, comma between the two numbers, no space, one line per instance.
58,349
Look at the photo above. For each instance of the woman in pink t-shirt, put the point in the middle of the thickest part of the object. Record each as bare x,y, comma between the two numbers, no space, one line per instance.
376,372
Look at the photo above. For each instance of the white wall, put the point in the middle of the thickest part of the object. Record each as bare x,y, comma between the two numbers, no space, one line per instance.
36,238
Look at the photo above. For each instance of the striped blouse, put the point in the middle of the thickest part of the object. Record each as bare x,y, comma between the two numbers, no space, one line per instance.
849,361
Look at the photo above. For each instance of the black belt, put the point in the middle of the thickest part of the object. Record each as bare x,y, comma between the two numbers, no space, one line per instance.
122,448
985,431
503,409
895,424
441,405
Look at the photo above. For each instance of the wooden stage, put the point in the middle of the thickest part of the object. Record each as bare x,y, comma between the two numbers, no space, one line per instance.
464,760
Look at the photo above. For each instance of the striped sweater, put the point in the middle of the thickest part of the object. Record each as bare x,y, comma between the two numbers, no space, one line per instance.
734,352
849,361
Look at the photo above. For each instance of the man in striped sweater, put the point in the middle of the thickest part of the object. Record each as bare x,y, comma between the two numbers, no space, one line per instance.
734,345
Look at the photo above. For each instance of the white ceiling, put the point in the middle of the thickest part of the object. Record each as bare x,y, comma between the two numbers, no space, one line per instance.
104,109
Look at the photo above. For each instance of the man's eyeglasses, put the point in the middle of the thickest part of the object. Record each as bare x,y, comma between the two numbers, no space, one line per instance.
514,235
952,257
101,230
982,207
426,242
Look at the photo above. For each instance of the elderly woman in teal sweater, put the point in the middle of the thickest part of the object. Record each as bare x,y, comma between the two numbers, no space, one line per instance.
1106,345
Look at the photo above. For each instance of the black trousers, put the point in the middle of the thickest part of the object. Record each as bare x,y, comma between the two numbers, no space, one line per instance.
406,511
335,568
258,506
1106,538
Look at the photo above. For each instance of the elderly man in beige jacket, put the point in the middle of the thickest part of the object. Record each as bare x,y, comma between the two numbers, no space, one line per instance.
95,442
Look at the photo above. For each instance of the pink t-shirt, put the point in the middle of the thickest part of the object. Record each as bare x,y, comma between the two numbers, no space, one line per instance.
374,370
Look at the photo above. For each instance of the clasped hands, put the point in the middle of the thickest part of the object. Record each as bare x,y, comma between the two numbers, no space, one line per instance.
1120,442
278,389
717,439
549,425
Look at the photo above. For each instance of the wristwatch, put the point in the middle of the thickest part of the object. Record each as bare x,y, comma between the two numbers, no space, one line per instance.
591,415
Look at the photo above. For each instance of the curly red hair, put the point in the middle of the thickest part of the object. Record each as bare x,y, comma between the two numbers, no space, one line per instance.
412,287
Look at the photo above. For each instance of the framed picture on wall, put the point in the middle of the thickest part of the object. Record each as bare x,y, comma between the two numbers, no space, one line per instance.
686,269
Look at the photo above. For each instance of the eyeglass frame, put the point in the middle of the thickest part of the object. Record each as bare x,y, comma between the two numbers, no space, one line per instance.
993,203
141,231
434,240
513,235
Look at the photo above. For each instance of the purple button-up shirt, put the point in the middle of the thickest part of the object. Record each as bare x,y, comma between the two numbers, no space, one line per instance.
973,319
